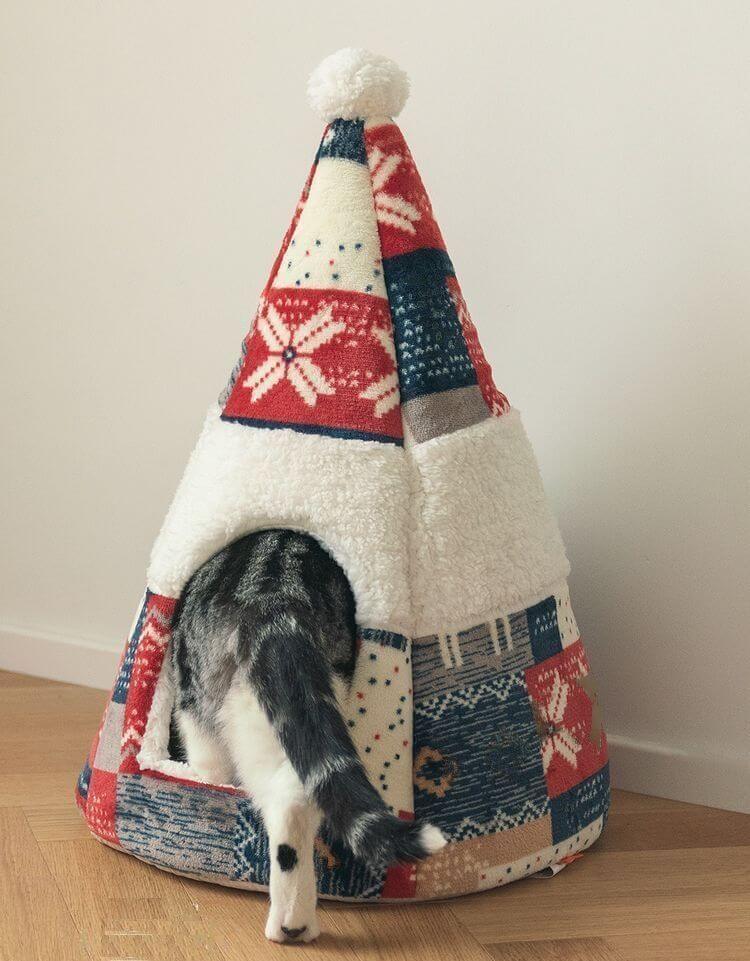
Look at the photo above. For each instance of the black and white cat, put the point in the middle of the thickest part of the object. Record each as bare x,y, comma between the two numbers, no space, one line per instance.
263,648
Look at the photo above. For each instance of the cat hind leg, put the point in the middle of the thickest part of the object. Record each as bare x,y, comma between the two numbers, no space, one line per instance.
206,753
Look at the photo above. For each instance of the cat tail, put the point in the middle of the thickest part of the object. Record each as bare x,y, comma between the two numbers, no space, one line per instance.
293,683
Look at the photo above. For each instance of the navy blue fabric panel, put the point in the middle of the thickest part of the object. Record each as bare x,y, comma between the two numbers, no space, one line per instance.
203,831
478,768
346,139
341,432
120,693
178,826
384,638
84,779
543,630
582,804
430,345
251,857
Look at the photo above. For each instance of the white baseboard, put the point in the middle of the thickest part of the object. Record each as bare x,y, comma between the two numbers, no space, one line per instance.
718,780
58,657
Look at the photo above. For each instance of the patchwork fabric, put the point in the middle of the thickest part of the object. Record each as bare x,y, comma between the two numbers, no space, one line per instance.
509,756
432,352
477,768
464,865
379,715
568,718
109,748
320,362
100,805
433,415
82,784
223,397
179,825
507,752
507,643
149,655
215,832
446,382
488,862
402,207
544,633
363,228
344,139
335,246
581,805
120,692
496,402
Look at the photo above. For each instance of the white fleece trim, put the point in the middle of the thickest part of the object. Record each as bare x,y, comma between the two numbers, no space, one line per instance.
351,494
484,538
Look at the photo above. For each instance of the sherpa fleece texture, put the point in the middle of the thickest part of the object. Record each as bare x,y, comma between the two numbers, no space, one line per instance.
352,495
478,495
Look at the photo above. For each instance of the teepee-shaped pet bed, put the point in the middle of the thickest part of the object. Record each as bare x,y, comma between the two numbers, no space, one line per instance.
363,411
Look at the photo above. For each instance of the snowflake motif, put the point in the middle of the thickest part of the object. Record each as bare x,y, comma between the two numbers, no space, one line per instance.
384,391
550,716
390,209
290,355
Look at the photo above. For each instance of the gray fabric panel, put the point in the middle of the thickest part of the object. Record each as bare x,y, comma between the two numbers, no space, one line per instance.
433,415
108,751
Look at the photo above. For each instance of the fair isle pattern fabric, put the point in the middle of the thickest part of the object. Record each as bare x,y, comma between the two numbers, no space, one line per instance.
362,325
321,358
311,347
380,718
214,832
446,382
508,758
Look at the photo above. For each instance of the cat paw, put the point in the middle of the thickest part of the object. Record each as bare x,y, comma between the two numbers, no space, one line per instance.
273,930
311,932
281,933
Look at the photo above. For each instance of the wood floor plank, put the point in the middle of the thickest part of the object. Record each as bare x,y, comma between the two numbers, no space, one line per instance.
10,679
50,731
574,949
638,823
728,945
47,729
125,909
37,790
56,822
35,924
236,921
417,932
622,893
349,932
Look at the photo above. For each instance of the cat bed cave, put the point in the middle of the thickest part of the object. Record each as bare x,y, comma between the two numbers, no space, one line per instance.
362,410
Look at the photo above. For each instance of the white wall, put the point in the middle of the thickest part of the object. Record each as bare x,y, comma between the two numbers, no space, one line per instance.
589,166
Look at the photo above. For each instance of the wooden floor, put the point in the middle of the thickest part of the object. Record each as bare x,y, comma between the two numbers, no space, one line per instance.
667,880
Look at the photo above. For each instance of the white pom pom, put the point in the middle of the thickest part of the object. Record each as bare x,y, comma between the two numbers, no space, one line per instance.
354,83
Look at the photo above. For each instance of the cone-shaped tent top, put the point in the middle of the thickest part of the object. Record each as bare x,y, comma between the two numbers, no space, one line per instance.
364,412
362,330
